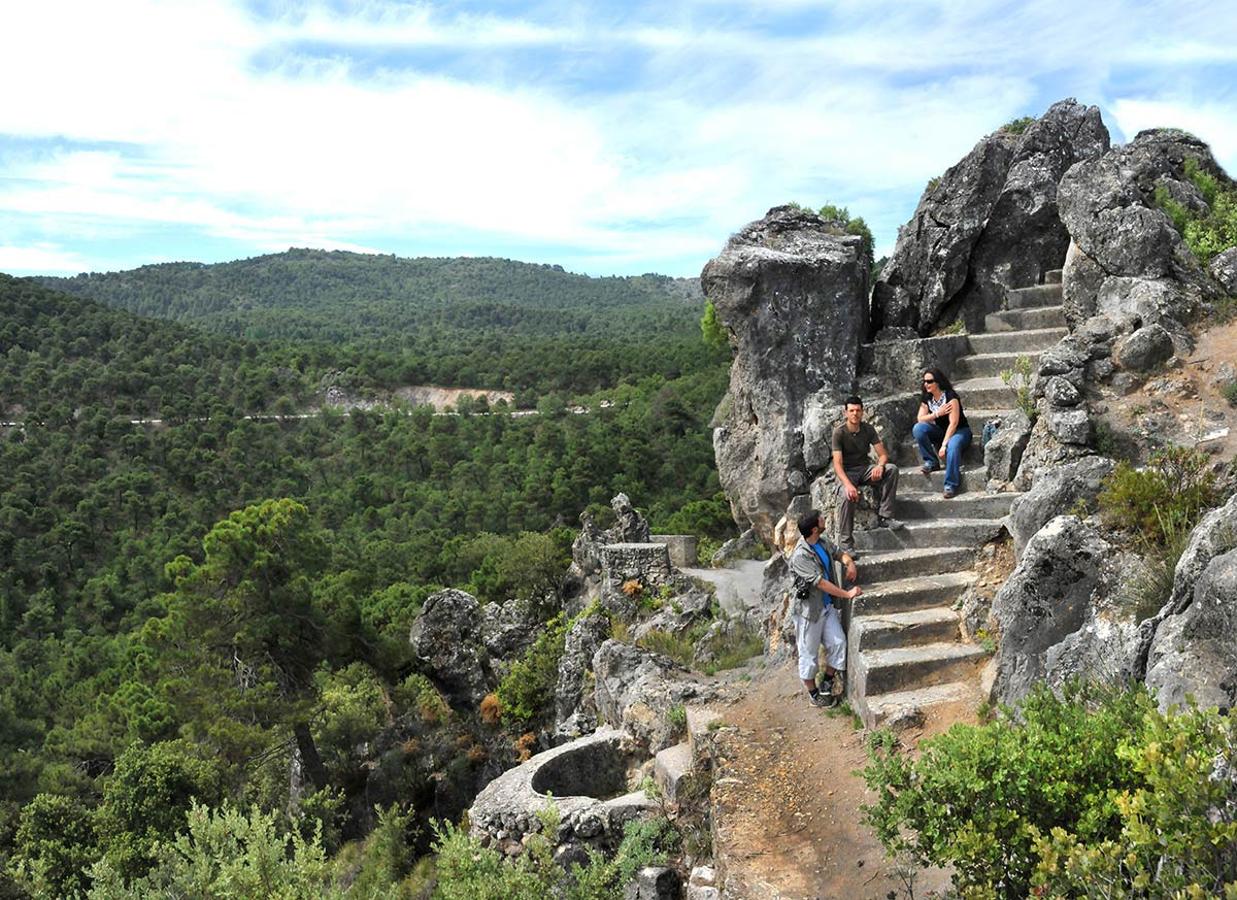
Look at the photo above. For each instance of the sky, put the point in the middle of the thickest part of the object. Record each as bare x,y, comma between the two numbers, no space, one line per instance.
606,137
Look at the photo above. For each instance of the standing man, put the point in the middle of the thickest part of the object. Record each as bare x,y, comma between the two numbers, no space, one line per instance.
816,615
851,459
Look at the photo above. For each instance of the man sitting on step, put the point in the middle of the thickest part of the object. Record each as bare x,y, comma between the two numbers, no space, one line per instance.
851,463
815,615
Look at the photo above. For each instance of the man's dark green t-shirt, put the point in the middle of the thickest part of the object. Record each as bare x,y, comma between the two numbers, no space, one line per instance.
854,446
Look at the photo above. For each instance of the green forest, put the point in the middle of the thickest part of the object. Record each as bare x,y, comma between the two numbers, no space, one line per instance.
148,570
465,322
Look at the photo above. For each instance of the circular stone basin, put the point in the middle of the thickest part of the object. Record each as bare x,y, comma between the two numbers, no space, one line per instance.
593,770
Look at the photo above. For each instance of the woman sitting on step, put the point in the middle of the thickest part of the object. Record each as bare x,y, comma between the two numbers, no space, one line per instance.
942,433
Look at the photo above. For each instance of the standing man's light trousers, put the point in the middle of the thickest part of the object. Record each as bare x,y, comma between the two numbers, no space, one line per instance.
810,636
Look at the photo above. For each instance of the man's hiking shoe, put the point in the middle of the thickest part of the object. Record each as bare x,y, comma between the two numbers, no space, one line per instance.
822,700
887,522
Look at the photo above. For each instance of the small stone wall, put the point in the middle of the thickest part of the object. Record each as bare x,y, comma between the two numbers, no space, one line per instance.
682,548
648,563
585,779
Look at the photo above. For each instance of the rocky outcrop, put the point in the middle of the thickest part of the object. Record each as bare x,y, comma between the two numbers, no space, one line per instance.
603,560
507,630
1223,269
1059,613
446,638
575,711
1003,452
989,223
636,688
791,291
1190,642
1056,492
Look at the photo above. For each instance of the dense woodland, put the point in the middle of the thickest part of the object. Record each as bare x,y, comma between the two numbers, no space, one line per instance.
471,322
140,564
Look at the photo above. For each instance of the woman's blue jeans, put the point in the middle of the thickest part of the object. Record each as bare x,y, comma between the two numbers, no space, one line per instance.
928,437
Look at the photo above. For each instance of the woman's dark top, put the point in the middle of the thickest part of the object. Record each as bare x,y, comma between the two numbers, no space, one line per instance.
942,422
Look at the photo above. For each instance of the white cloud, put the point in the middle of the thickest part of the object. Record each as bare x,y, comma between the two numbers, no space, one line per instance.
39,258
209,117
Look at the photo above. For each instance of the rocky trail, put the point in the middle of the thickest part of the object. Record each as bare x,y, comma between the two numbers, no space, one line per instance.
907,658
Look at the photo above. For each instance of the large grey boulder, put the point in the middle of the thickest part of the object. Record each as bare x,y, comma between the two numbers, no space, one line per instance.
1223,269
446,638
1172,667
636,689
792,293
931,259
1024,235
1055,492
1064,583
1144,349
1107,203
574,709
1194,653
1003,452
990,223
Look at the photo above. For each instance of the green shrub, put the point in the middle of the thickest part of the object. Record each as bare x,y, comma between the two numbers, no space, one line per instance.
54,845
680,649
468,871
978,797
528,688
1155,502
1209,233
711,328
1178,830
734,647
676,718
417,694
1019,378
1019,125
1229,391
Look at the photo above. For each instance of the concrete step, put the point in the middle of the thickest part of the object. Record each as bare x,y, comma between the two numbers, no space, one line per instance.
670,767
879,708
927,533
1032,297
1024,341
966,505
987,392
980,365
933,625
905,594
1053,276
898,669
1025,319
875,568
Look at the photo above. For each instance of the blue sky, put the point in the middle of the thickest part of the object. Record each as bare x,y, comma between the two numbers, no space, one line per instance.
605,137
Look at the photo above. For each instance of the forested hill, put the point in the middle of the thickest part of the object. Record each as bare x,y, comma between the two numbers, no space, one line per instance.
335,295
470,322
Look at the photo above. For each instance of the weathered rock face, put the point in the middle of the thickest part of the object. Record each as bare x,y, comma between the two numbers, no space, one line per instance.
1024,235
574,709
446,638
793,295
635,690
1058,614
1129,262
1195,652
991,222
1054,493
1223,269
1190,650
602,560
507,629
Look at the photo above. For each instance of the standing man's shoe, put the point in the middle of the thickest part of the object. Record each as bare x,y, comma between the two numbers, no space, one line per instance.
823,700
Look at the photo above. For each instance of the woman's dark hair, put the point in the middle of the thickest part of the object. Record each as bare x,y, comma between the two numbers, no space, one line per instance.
941,379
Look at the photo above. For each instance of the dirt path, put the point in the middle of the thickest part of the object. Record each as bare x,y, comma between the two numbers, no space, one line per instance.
787,819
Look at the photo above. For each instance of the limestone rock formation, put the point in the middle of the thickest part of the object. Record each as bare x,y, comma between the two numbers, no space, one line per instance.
1055,492
446,638
575,712
989,223
1190,643
792,293
1003,452
1058,612
636,688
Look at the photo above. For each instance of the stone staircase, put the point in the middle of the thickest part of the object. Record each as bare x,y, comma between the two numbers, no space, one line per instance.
906,655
